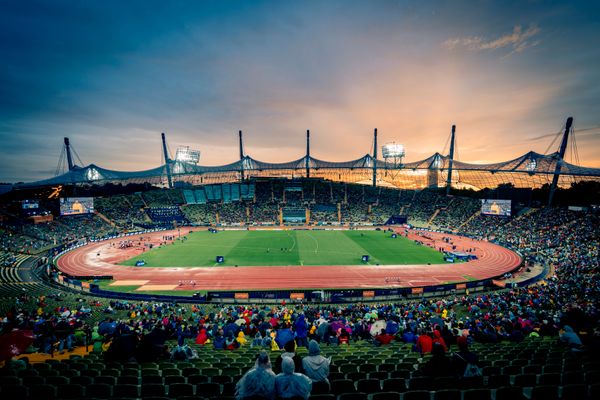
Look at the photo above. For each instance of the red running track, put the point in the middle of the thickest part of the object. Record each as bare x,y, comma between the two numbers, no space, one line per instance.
101,259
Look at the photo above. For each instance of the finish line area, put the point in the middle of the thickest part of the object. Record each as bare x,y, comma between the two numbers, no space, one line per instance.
102,259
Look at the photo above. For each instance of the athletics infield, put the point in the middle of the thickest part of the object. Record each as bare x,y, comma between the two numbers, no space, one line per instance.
103,258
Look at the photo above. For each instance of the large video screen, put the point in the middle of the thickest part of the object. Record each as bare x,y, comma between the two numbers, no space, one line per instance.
30,204
76,205
496,207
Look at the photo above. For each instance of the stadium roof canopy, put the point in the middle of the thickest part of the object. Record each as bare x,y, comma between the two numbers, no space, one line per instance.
529,170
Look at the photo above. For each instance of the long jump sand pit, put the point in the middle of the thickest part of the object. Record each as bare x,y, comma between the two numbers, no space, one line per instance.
101,258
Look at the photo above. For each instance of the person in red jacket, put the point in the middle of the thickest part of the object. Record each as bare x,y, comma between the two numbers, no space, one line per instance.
424,343
383,338
437,338
202,337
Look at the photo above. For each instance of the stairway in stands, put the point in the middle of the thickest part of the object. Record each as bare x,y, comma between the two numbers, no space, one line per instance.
435,213
105,218
475,214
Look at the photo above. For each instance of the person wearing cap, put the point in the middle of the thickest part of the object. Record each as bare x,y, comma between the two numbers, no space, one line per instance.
290,384
258,381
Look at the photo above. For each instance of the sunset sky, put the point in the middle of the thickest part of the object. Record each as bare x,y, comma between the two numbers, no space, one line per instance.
113,75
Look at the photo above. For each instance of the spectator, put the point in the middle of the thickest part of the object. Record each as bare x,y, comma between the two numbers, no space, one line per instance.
290,384
315,366
438,365
570,338
290,352
424,344
383,338
463,357
258,381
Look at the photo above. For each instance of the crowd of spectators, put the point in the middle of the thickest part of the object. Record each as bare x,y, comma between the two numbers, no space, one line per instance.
29,238
122,211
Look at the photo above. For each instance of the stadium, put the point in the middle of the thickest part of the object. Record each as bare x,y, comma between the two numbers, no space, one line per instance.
383,254
257,240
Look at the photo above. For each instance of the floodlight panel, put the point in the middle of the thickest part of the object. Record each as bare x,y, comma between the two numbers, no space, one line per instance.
393,150
185,154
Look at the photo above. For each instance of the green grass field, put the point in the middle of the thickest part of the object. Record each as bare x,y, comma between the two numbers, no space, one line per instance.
251,248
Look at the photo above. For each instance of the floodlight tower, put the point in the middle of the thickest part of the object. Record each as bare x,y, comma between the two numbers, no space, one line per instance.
307,153
241,155
393,154
450,162
561,156
167,160
375,158
68,151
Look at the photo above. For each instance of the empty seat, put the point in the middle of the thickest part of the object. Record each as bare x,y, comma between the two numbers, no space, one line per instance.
322,397
190,371
10,381
210,389
46,392
496,381
353,396
221,379
210,371
570,378
99,391
385,396
195,379
14,392
421,383
71,391
342,386
171,379
477,394
525,380
32,380
152,379
386,367
368,385
545,392
549,379
510,393
394,385
416,395
153,389
122,390
321,387
109,380
182,389
574,391
171,372
57,380
447,394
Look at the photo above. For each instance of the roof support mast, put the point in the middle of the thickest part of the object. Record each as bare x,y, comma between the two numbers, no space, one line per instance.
375,158
307,153
451,161
68,151
561,156
241,155
167,161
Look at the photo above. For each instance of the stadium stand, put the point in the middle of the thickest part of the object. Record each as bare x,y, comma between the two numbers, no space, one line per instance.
539,341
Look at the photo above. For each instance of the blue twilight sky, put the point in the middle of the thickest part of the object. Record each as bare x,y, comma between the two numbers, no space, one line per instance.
112,75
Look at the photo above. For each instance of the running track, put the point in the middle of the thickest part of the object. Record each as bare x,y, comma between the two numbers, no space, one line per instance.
493,261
